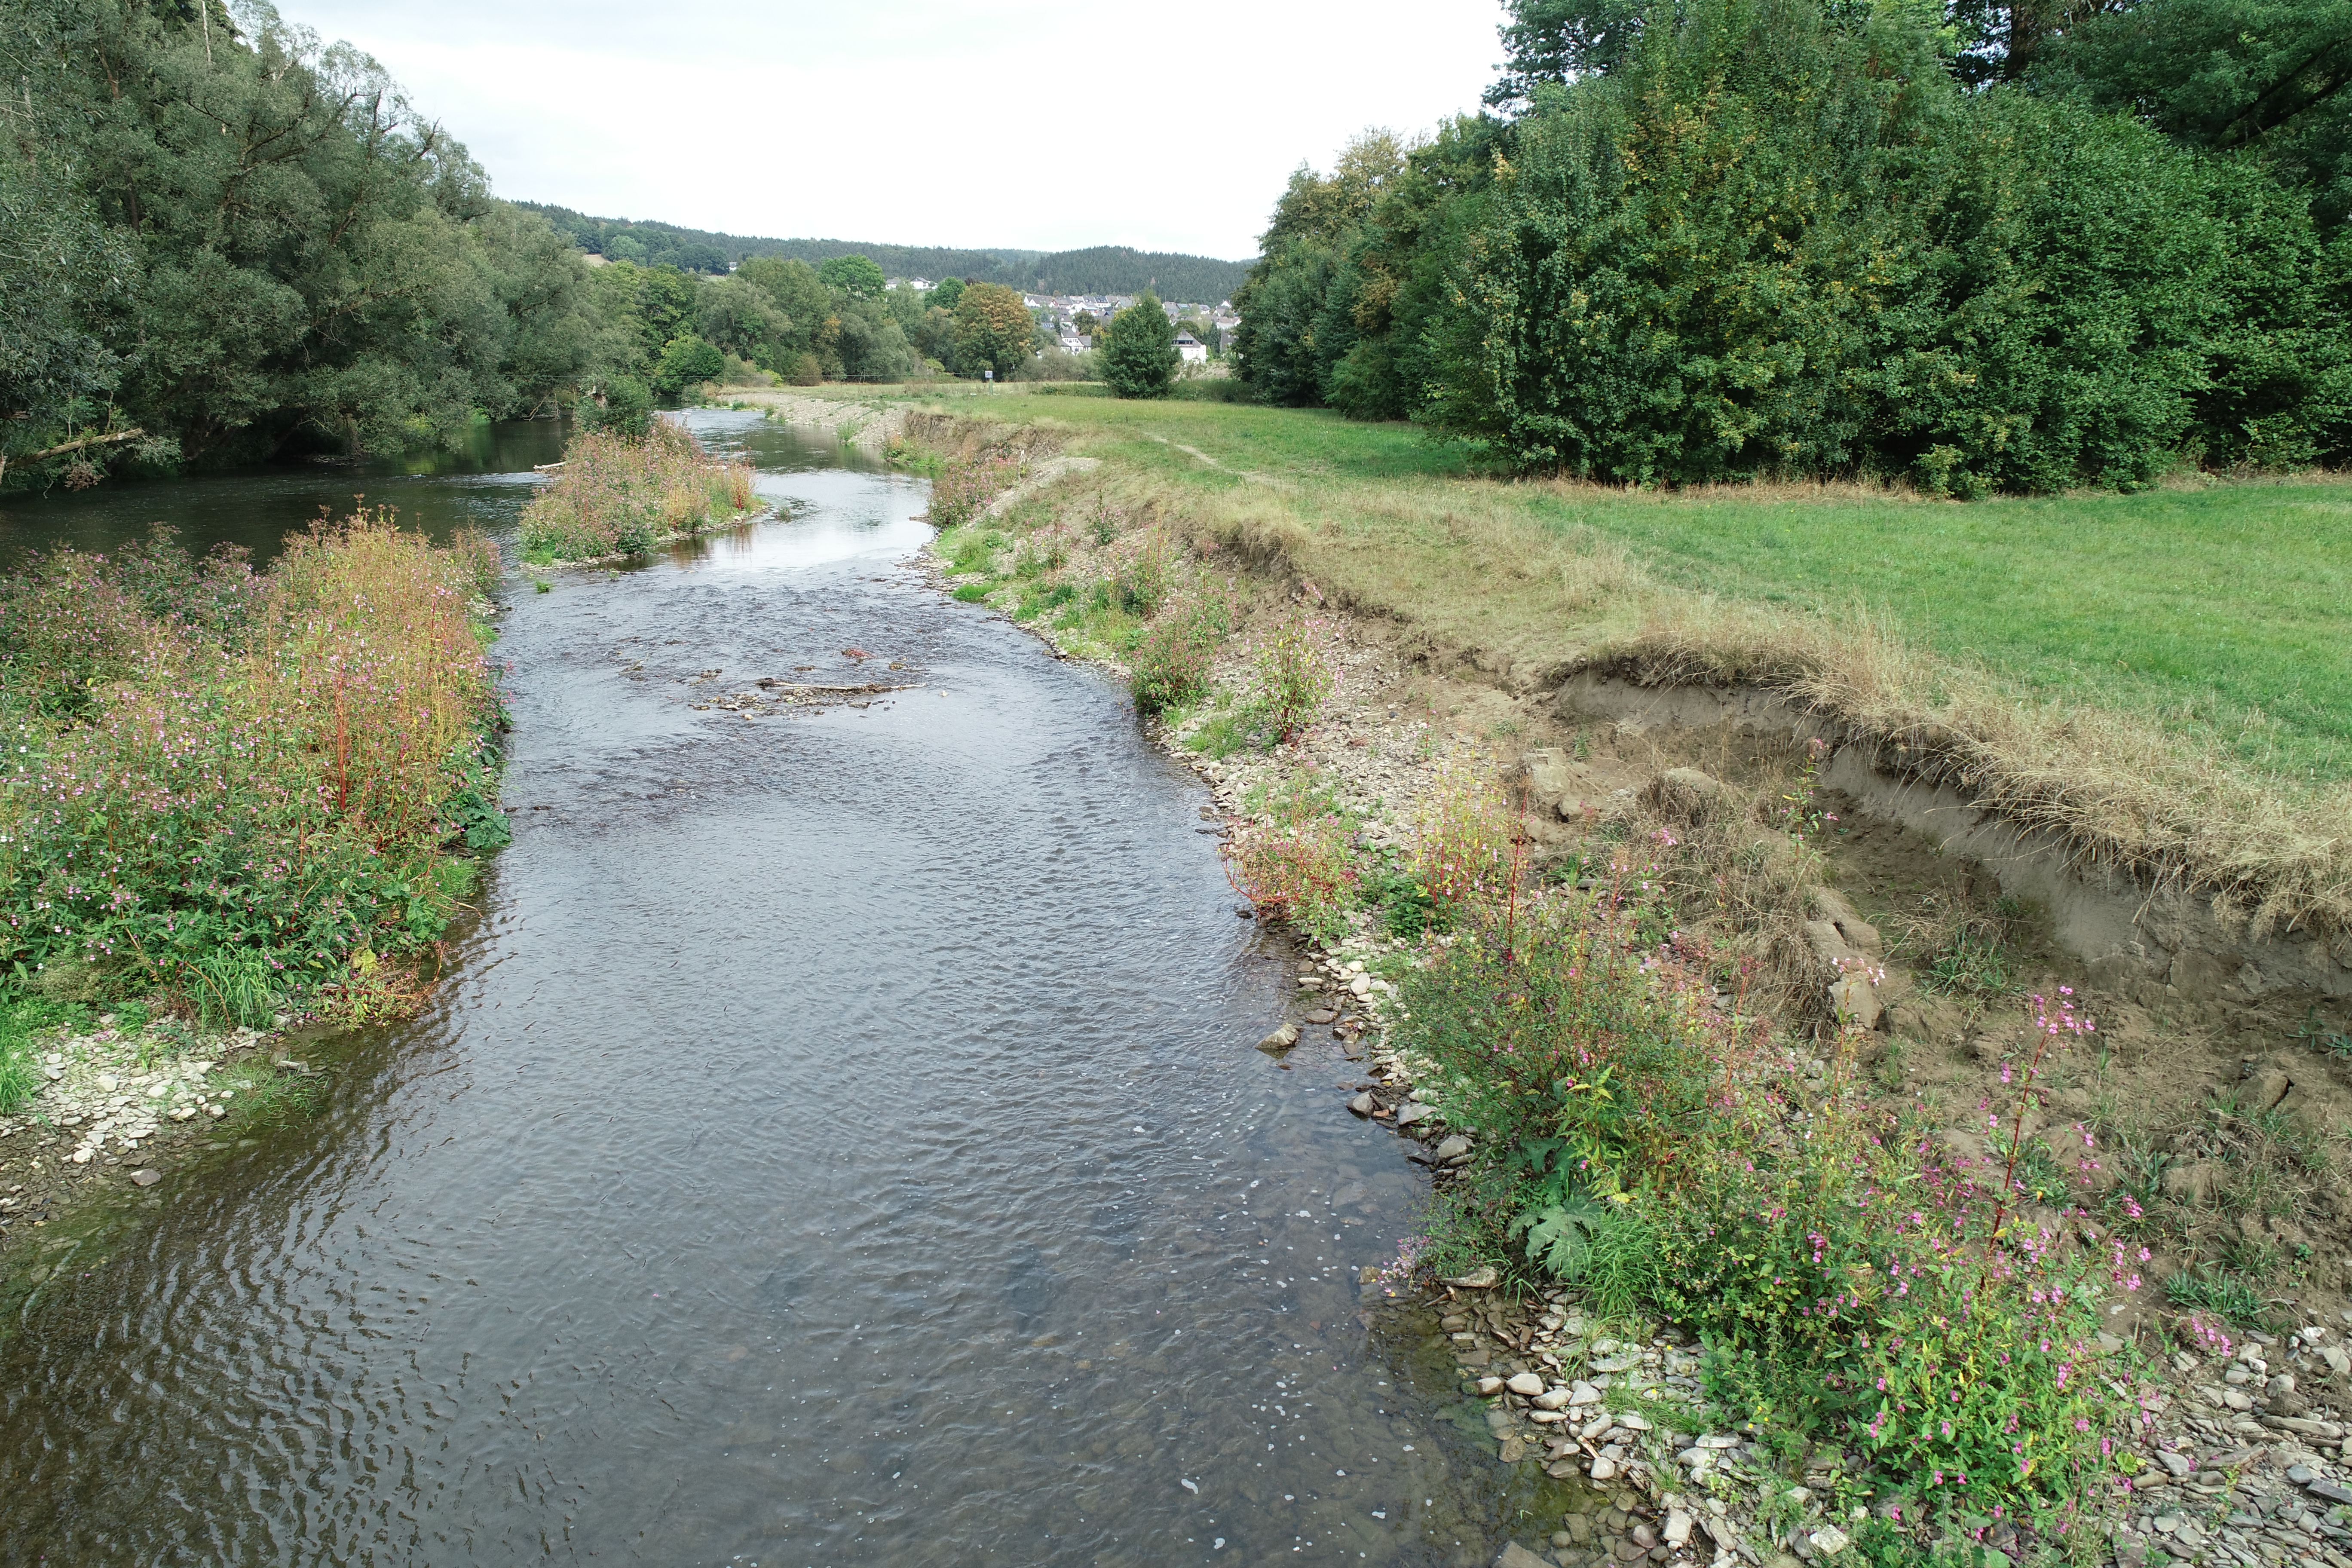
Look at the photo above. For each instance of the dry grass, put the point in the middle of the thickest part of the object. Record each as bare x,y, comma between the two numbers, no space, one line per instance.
1473,578
1456,563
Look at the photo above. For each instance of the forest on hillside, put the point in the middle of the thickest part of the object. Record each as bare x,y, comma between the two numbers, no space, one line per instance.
1098,270
1982,246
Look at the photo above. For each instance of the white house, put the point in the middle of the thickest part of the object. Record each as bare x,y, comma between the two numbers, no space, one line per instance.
1191,349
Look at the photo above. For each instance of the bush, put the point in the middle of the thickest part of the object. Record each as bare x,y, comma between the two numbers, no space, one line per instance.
614,496
1464,840
1292,863
626,409
964,485
238,805
1293,674
1059,365
685,361
1175,663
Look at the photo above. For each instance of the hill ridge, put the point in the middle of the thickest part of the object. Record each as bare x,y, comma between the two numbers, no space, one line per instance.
1091,269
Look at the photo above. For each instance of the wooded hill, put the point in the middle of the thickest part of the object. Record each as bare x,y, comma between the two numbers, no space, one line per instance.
1098,270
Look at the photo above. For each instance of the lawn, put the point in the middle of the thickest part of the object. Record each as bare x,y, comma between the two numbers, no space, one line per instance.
2220,611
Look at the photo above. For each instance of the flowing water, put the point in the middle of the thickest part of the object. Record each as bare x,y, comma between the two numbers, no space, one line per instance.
840,1141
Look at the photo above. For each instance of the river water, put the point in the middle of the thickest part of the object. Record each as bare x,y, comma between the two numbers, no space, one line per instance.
840,1141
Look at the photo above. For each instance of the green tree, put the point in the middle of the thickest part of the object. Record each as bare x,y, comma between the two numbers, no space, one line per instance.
686,360
2263,74
624,405
312,263
993,331
740,318
853,276
949,292
1139,353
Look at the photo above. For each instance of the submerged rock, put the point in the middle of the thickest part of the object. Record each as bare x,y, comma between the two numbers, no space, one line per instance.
1280,1040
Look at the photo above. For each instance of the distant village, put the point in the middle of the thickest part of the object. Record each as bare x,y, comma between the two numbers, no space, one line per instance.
1076,318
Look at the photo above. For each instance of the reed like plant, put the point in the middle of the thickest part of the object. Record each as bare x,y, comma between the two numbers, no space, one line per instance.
622,495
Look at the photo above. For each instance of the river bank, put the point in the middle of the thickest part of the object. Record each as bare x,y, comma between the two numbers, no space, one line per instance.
1925,1018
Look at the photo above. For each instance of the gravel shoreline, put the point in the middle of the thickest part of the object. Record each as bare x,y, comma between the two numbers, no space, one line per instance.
116,1111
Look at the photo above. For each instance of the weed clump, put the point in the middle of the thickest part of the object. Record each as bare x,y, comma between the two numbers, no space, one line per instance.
621,495
1292,677
1293,863
1175,663
223,785
1854,1279
965,484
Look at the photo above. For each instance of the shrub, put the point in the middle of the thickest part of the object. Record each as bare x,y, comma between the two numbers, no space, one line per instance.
1464,839
1292,863
1293,676
1059,365
1176,661
686,360
230,816
1140,577
626,409
618,496
965,485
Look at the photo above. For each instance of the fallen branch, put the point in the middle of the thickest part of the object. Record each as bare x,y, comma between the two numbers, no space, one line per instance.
64,447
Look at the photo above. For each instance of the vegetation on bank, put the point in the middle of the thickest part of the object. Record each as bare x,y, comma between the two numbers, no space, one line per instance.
1627,1033
618,494
238,795
218,240
2144,674
1976,248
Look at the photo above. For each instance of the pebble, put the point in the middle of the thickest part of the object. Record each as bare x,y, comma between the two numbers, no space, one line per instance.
1411,1111
146,1178
1525,1384
1364,1104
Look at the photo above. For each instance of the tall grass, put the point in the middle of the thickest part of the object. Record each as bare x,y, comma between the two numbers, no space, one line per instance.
621,495
223,786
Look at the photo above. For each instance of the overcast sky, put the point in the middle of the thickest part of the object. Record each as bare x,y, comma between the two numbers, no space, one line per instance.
1046,124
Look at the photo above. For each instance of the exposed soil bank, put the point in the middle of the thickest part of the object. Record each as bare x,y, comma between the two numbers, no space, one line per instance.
2141,938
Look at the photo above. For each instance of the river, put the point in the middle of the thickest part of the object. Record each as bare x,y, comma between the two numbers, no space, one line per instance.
840,1141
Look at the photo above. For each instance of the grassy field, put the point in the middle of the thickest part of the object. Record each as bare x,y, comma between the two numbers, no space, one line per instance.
2222,613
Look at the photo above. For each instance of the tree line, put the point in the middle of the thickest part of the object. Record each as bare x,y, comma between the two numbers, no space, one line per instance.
221,241
1987,246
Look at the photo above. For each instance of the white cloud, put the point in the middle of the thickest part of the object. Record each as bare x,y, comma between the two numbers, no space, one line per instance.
1044,123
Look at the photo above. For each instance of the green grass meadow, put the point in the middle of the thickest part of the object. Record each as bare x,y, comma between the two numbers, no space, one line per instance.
2222,610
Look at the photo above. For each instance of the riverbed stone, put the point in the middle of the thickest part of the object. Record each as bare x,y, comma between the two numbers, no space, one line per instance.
1280,1039
1515,1555
1527,1385
1364,1104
